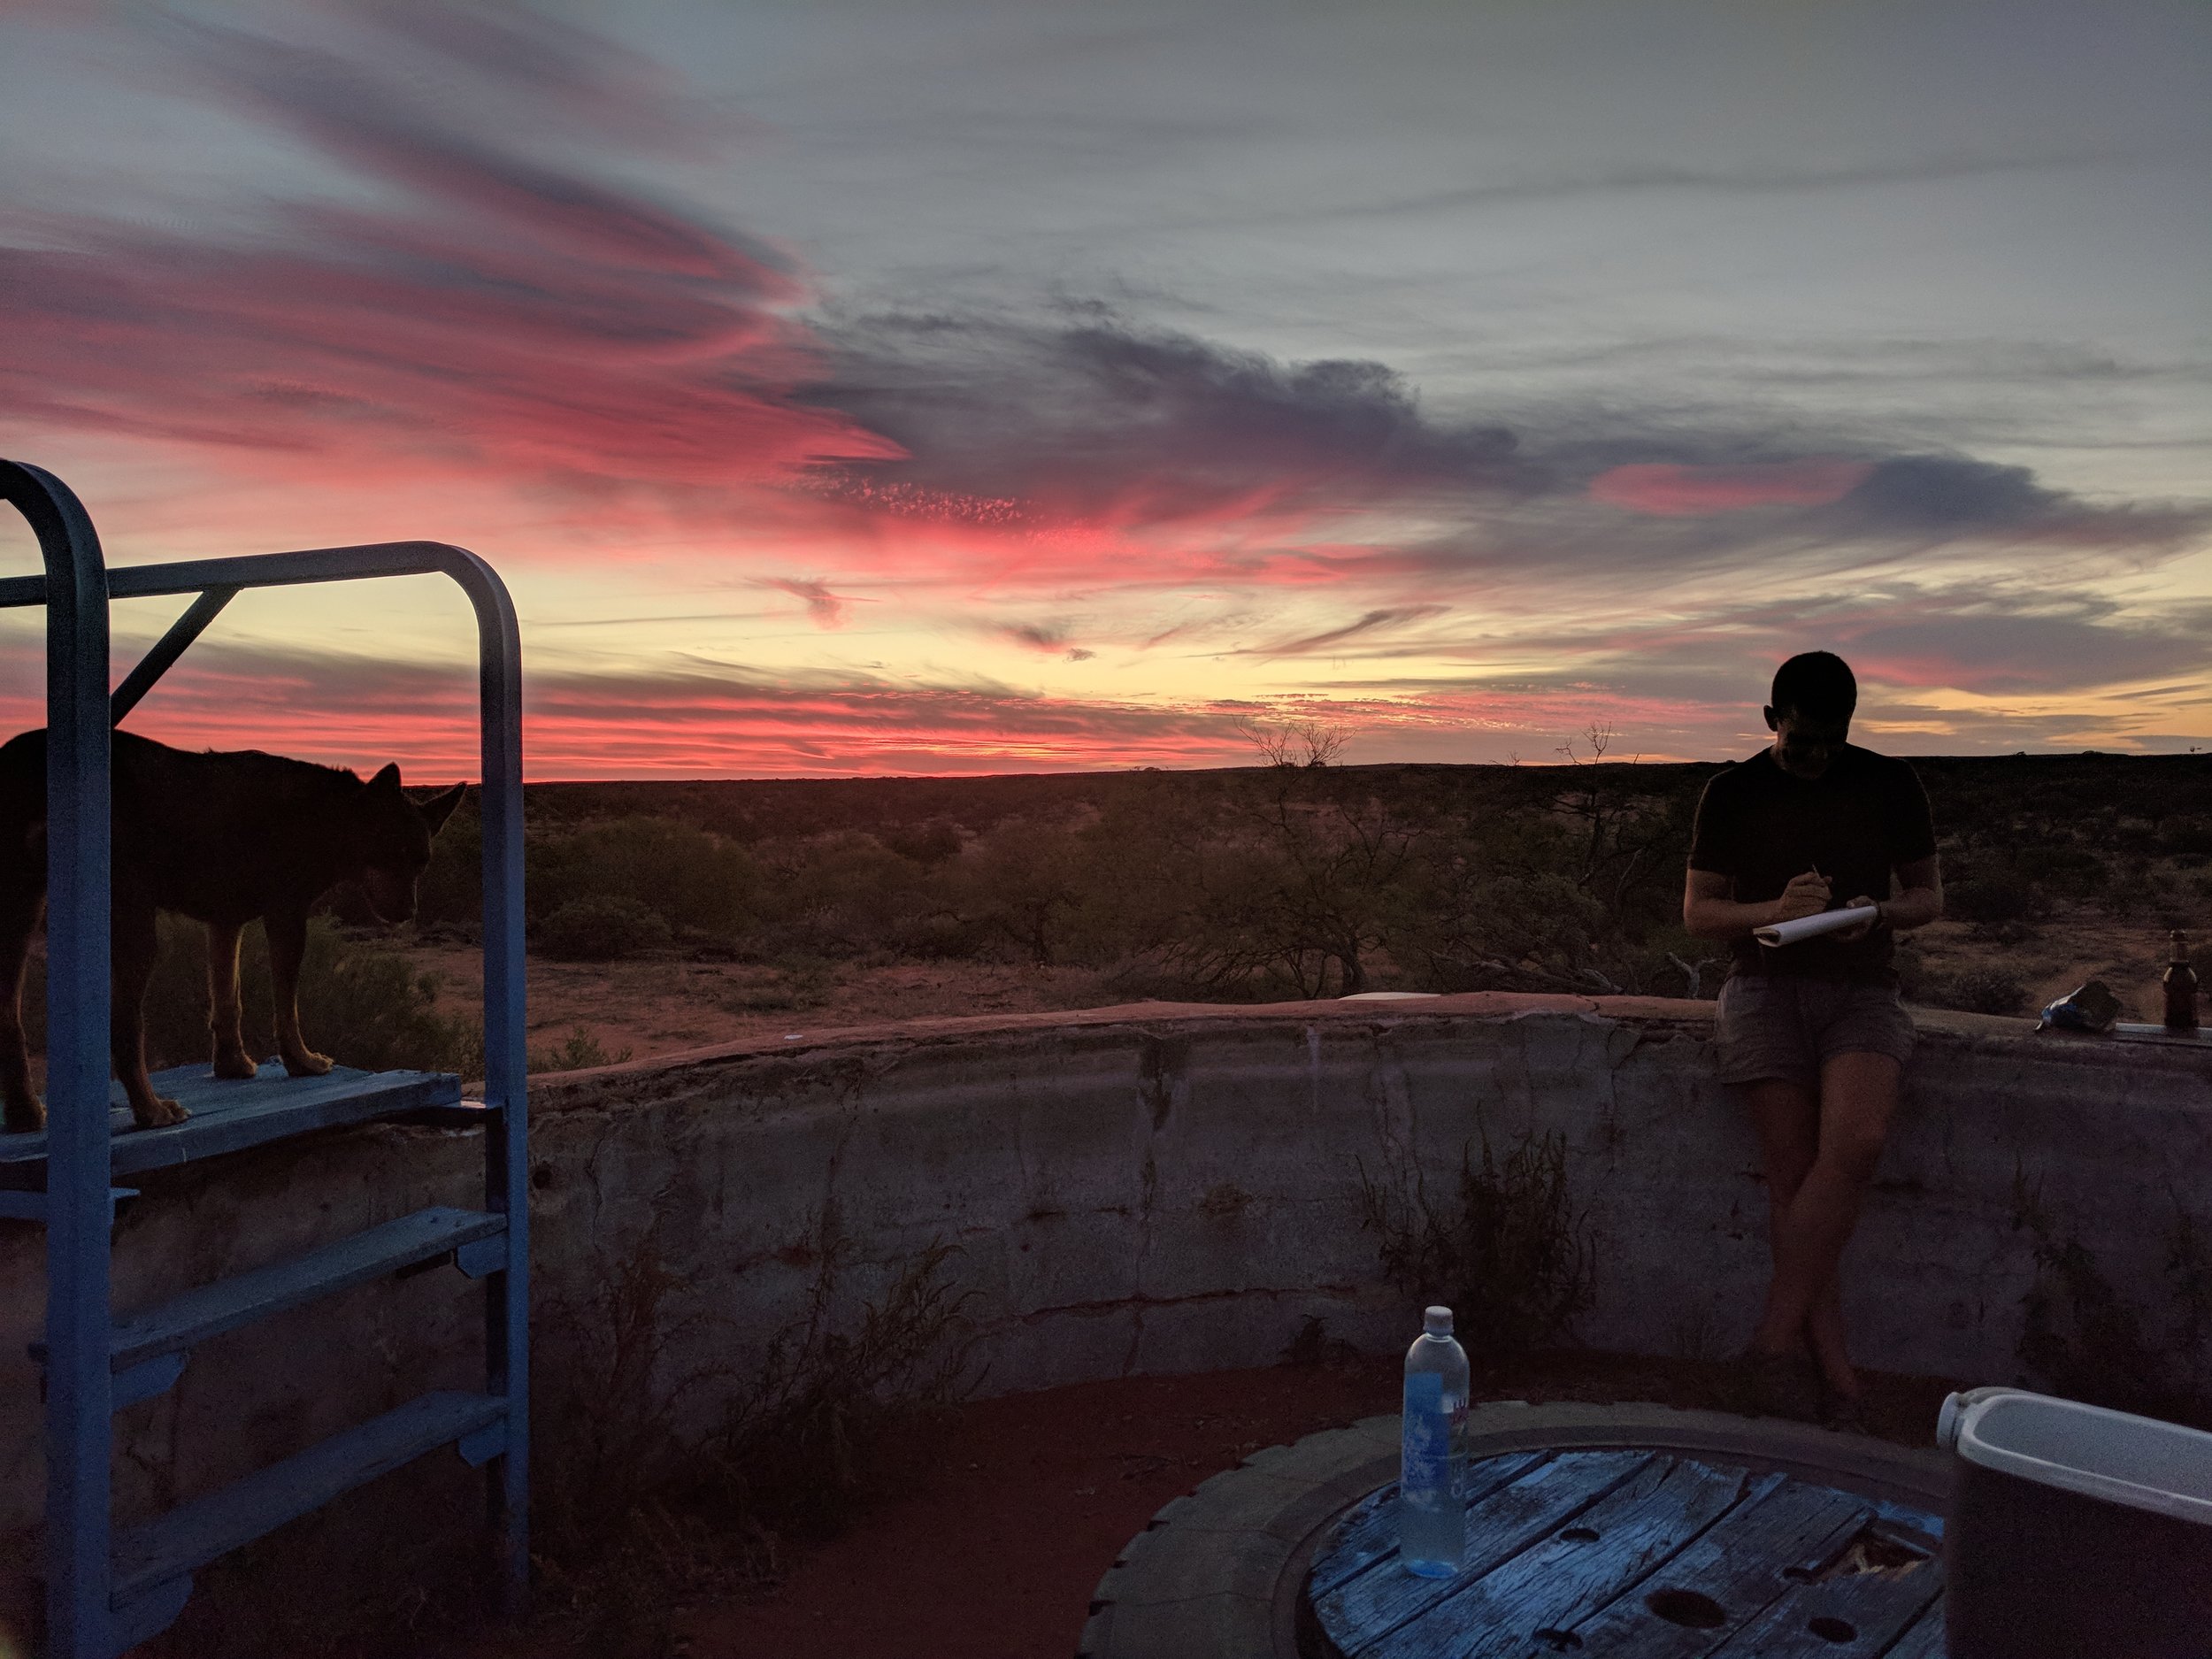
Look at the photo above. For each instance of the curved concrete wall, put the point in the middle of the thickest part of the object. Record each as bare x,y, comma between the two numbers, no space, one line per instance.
1153,1188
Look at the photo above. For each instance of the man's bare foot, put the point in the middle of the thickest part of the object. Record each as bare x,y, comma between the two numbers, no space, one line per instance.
1775,1385
22,1119
1843,1408
234,1064
162,1115
307,1063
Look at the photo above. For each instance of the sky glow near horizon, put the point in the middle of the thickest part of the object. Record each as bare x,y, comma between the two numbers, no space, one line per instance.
967,387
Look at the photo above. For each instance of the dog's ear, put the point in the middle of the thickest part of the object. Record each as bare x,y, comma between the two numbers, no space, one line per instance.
440,807
386,778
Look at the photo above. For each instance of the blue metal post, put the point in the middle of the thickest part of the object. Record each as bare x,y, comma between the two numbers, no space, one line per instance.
78,1397
506,1065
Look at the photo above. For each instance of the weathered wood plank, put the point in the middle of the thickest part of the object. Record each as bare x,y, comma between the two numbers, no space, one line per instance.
1615,1543
1370,1606
1857,1615
1370,1531
1924,1640
1781,1525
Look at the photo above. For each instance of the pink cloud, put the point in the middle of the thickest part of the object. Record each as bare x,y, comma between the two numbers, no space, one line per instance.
1671,491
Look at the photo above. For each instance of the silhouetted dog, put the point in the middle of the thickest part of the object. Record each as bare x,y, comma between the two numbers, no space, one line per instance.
220,837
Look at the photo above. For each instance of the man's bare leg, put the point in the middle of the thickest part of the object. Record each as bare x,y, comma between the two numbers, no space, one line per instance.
1787,1116
1858,1097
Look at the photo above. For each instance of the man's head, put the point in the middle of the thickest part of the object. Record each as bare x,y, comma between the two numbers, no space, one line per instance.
1815,695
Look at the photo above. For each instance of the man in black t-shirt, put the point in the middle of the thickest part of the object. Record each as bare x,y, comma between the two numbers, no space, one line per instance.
1813,1030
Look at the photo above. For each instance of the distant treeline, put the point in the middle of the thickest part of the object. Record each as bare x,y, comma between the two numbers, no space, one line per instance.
1285,880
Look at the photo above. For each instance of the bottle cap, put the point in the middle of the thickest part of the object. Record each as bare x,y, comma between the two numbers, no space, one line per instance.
1437,1321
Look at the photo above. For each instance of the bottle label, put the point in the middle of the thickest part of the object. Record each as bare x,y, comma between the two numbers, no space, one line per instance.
1426,1459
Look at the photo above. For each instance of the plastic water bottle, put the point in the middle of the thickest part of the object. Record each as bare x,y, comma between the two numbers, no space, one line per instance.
1432,1519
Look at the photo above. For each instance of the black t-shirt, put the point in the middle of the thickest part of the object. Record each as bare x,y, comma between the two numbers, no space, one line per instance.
1856,823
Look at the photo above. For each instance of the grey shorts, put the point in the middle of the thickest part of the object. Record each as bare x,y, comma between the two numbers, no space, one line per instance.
1773,1026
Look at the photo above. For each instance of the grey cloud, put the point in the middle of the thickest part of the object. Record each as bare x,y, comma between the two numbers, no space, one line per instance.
1713,180
1091,410
363,115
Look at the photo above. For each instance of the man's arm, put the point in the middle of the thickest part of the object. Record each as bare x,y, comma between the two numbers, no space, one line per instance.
1919,901
1709,908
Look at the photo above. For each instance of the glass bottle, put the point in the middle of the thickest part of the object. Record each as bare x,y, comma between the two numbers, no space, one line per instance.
2180,980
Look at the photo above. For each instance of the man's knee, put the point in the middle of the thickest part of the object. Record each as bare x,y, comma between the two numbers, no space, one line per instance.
1854,1149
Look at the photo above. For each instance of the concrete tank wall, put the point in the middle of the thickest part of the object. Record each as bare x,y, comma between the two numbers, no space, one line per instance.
1153,1188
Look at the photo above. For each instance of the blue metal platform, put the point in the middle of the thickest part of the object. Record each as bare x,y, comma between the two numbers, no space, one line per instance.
106,1592
229,1115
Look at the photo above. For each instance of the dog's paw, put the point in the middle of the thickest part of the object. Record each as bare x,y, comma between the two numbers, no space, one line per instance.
21,1119
165,1113
307,1063
236,1066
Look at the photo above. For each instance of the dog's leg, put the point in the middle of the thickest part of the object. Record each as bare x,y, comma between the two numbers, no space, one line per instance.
21,1108
287,948
135,943
231,1058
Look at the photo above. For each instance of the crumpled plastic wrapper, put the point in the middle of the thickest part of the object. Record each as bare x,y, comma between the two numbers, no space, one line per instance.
2091,1008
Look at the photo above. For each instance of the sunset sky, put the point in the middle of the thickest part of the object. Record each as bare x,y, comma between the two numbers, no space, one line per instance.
939,386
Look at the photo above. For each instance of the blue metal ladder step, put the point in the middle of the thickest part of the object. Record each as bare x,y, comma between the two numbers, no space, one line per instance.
188,1538
186,1320
231,1115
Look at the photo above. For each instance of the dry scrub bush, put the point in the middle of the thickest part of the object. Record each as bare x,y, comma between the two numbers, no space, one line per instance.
634,1519
1513,1259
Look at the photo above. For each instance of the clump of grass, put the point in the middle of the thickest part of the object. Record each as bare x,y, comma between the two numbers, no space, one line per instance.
1512,1258
578,1051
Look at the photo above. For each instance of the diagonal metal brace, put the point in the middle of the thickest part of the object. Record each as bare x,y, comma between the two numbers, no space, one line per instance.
167,648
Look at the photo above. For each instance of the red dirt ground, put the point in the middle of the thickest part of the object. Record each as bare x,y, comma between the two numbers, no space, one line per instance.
996,1551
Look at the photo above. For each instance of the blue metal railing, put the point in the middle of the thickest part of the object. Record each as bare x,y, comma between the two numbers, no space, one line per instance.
84,1621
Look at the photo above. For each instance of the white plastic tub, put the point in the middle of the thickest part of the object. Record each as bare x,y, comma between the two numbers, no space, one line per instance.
2075,1530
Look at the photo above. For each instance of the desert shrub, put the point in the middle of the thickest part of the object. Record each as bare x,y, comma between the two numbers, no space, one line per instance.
1513,1260
692,879
2187,836
846,893
930,843
1973,991
363,1006
601,930
1024,883
2069,871
451,892
1992,901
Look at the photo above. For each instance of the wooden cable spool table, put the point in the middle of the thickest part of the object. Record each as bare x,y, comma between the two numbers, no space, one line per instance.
1593,1530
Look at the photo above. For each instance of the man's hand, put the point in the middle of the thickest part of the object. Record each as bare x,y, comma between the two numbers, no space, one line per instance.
1806,896
1847,935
